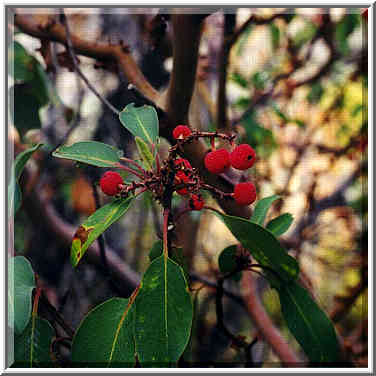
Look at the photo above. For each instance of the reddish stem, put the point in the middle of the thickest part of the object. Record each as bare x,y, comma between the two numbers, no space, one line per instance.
157,162
212,143
36,300
125,168
131,161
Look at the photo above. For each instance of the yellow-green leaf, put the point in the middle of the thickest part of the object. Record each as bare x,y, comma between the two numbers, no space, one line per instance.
95,225
144,152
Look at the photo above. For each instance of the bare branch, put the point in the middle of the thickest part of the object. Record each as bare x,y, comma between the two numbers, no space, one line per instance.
64,21
266,327
119,53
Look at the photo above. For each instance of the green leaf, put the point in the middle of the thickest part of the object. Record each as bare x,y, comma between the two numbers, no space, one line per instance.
176,255
315,93
141,122
357,109
24,107
31,90
22,158
299,123
259,137
90,152
95,225
275,34
262,245
164,312
309,324
144,152
242,103
156,250
305,34
105,336
240,80
32,347
280,225
280,113
21,284
259,80
344,28
227,261
14,191
240,44
261,209
21,62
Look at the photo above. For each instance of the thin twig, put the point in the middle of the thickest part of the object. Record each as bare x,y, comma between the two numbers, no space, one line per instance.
222,105
64,21
236,298
57,316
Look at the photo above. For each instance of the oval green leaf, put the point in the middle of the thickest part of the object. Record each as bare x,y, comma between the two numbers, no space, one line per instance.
141,121
164,313
95,225
309,324
227,261
280,225
105,336
90,152
261,209
263,246
21,283
14,191
32,347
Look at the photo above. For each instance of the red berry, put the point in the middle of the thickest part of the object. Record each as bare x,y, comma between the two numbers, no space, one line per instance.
217,161
182,163
180,178
110,183
245,193
243,157
181,131
196,202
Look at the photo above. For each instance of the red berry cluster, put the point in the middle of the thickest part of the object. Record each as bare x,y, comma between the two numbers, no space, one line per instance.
186,175
218,161
177,174
241,158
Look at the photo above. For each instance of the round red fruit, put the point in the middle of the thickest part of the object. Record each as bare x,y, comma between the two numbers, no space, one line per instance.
181,131
196,202
243,157
217,161
109,183
245,193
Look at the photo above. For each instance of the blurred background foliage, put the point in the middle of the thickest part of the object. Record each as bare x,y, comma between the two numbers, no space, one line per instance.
297,92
